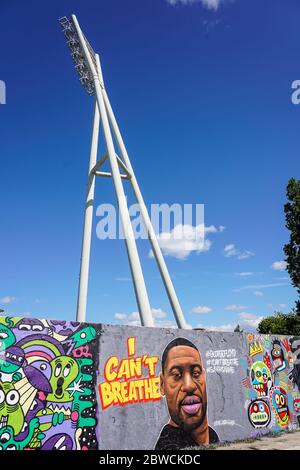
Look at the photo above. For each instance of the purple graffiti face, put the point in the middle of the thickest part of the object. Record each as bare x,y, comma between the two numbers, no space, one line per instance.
58,442
42,366
62,328
11,359
37,379
27,326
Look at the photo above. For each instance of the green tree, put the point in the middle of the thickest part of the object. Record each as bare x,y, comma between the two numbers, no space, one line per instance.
280,324
292,249
238,329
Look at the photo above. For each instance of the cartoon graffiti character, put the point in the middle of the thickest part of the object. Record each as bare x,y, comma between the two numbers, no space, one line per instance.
279,400
295,373
259,414
29,324
11,359
297,404
7,338
8,441
60,441
64,371
278,356
11,412
261,378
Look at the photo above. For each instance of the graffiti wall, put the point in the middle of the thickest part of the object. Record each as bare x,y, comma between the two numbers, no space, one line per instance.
272,382
47,385
71,386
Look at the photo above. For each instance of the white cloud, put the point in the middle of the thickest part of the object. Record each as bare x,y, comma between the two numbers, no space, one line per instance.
214,229
120,316
245,254
279,265
159,315
244,274
247,321
250,319
7,299
258,293
201,309
235,308
260,286
134,316
276,307
231,250
185,239
210,4
227,327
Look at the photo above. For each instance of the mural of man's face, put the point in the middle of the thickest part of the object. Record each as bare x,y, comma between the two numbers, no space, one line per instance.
183,382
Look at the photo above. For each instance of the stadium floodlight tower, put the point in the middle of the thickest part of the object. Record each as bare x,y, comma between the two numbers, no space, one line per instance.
88,66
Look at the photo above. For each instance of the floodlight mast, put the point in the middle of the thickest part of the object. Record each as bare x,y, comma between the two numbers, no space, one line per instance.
88,66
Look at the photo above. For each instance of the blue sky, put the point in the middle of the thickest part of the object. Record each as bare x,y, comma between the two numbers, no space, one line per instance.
202,94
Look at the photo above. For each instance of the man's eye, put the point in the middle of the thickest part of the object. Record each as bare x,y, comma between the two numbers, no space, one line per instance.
196,374
176,375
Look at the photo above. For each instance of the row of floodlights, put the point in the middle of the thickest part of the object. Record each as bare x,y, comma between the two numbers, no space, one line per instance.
81,65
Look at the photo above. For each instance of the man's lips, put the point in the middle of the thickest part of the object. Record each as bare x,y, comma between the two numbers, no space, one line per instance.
191,404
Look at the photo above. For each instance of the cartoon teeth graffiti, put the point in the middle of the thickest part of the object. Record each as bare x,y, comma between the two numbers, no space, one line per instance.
261,378
10,408
279,400
259,414
278,356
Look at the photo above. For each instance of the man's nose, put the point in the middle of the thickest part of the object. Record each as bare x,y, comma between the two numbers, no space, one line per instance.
188,385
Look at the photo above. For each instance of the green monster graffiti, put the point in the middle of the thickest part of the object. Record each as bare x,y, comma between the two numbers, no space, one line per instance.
64,371
10,409
7,437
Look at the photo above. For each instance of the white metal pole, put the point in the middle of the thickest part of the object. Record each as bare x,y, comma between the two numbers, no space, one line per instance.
134,261
88,223
178,313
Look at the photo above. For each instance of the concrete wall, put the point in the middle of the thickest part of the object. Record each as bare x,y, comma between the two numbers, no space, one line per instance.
83,386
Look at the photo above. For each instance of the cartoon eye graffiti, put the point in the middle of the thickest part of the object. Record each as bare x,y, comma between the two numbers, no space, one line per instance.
11,447
82,335
258,373
24,327
37,328
67,370
57,370
282,399
255,408
261,408
13,397
2,396
277,399
4,438
3,335
43,366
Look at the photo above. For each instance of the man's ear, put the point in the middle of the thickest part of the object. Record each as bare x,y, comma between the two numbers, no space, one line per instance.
162,384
